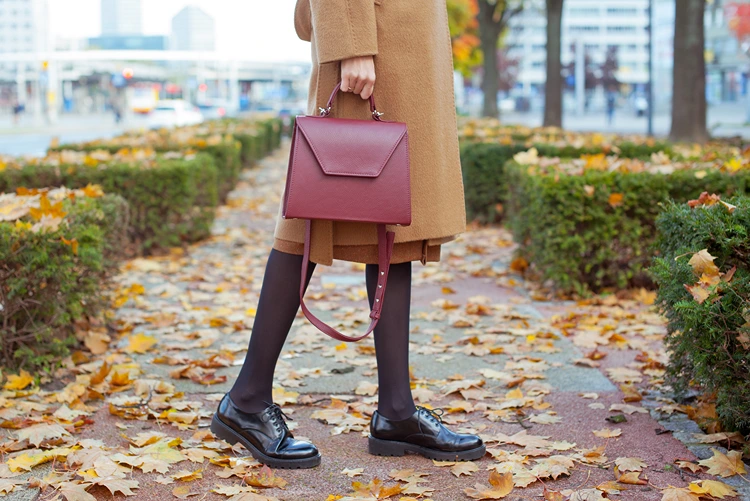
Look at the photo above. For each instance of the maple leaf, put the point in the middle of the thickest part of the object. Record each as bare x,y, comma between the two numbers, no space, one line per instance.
703,264
352,472
7,486
627,408
73,491
699,292
232,490
501,484
183,492
18,382
688,465
586,495
631,477
545,418
187,475
608,432
265,478
29,459
734,436
366,388
140,343
630,464
724,465
713,488
678,494
116,485
464,468
40,432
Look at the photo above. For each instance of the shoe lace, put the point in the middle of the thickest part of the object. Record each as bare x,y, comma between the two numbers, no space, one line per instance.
277,417
435,414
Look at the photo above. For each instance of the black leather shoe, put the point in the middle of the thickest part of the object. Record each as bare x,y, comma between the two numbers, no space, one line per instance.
264,434
423,433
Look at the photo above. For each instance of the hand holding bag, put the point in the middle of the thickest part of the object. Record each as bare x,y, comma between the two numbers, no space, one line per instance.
349,170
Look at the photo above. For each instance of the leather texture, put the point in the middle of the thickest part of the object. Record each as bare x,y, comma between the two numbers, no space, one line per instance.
349,170
424,429
266,430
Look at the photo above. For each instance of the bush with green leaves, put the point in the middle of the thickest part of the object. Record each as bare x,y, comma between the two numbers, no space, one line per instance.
485,179
52,265
594,229
709,328
172,197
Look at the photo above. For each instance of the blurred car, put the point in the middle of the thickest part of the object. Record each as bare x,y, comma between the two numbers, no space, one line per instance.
215,108
174,113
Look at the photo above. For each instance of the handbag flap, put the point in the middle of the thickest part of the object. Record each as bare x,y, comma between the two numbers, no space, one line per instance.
344,147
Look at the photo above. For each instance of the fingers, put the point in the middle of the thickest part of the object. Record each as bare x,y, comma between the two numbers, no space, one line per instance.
358,76
361,82
367,90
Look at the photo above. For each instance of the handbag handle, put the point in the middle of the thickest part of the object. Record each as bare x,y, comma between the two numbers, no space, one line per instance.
385,249
327,110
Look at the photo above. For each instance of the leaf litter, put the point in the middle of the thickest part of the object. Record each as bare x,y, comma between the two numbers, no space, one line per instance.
185,318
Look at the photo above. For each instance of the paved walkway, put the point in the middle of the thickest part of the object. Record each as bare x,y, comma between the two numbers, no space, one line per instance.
541,381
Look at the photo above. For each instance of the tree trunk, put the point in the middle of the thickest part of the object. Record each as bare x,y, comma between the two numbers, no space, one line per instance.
489,36
553,86
689,77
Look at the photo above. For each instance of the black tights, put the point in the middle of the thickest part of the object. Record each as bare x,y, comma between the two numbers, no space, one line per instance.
278,305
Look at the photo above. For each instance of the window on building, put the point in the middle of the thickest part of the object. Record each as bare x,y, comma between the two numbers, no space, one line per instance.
622,11
584,29
621,29
591,46
539,46
583,11
537,64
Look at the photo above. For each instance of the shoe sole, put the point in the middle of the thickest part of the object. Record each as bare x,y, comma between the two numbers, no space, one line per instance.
380,447
226,433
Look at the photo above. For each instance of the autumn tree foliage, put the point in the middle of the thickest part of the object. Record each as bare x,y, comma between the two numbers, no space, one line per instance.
464,30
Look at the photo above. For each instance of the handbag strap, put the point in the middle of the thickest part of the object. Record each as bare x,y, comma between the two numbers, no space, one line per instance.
327,110
385,250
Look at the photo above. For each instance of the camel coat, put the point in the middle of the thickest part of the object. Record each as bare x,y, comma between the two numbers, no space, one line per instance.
414,84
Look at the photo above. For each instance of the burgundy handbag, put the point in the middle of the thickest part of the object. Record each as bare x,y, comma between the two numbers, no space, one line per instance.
349,170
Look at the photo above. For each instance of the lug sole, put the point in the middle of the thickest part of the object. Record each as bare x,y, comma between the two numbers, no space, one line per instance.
380,447
226,433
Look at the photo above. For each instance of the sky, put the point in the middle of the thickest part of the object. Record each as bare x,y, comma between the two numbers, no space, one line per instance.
261,30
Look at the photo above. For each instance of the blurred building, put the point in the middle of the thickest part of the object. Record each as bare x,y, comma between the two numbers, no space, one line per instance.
193,29
600,28
24,26
129,42
727,60
121,17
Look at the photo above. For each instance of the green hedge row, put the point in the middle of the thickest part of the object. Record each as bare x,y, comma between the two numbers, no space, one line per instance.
596,230
486,182
709,333
233,144
172,194
171,202
51,277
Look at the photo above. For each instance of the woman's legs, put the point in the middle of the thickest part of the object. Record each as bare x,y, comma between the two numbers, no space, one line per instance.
392,341
277,307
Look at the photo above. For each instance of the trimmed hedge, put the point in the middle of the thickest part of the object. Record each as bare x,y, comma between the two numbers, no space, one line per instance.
485,179
51,276
595,230
233,144
172,200
709,334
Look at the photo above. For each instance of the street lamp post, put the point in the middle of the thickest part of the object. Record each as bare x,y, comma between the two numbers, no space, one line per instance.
650,89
